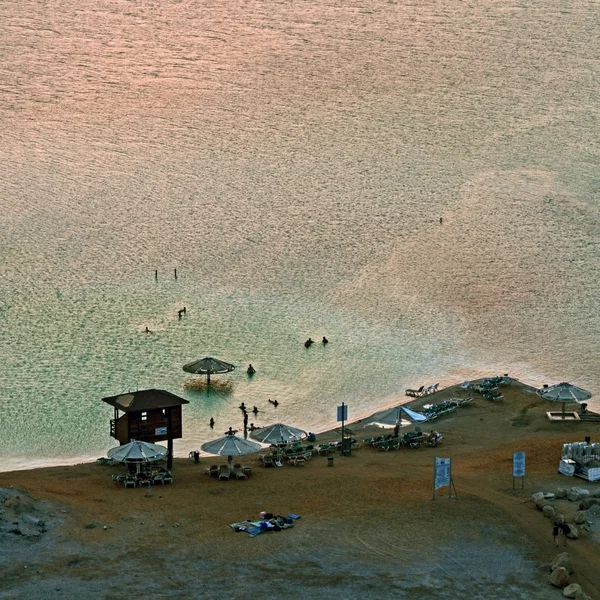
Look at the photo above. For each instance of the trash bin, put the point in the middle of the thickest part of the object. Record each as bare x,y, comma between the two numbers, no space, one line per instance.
330,461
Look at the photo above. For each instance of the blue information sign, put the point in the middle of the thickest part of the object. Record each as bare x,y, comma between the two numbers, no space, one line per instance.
342,412
442,472
519,464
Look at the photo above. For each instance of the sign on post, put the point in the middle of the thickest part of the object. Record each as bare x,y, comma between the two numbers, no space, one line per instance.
442,475
519,467
342,415
442,472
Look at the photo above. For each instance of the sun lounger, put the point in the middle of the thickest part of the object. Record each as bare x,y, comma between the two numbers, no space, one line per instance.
414,393
247,470
130,481
224,473
238,473
267,460
494,396
212,471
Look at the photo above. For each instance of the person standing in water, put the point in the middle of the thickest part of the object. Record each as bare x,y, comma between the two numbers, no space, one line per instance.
211,423
324,340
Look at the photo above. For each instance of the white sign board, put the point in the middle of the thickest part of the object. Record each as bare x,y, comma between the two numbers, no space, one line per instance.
441,472
519,464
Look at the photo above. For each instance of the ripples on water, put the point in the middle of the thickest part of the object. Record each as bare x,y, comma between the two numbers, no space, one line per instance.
292,161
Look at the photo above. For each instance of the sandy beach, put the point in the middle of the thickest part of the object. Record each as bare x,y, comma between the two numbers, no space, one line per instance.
368,527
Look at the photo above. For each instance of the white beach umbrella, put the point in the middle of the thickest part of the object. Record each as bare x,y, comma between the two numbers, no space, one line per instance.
277,434
137,452
230,446
566,393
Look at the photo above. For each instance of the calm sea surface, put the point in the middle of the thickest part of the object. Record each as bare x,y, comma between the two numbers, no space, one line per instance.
292,160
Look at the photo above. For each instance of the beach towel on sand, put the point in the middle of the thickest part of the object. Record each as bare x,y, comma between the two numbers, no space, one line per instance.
253,528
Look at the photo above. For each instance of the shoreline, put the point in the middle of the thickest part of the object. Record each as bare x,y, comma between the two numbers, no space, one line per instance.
16,464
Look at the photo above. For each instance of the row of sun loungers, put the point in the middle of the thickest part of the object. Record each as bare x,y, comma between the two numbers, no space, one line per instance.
141,479
411,439
422,391
433,411
224,473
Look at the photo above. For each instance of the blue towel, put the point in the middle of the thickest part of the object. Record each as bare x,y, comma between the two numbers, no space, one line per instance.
291,516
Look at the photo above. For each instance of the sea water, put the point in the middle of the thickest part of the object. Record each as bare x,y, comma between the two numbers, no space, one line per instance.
416,181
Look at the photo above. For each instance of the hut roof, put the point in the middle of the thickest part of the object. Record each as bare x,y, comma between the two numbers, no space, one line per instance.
144,400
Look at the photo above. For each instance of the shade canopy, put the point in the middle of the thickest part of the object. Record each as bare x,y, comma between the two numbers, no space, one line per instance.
277,433
230,446
565,393
208,366
393,416
137,452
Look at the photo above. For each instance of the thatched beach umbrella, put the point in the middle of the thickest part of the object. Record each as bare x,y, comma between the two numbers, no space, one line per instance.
566,393
277,434
230,446
208,366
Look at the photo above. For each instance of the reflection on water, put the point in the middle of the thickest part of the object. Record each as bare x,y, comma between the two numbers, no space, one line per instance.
292,161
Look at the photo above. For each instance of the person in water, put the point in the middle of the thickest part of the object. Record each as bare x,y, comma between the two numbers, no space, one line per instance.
211,423
231,431
309,342
147,330
325,340
274,402
243,407
251,370
255,411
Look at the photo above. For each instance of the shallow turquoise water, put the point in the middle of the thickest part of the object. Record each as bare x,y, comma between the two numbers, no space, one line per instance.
292,161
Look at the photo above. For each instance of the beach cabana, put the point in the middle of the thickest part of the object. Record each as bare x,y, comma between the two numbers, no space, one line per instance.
208,366
278,433
566,393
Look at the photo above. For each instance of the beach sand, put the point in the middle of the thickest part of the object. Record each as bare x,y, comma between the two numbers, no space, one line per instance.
368,526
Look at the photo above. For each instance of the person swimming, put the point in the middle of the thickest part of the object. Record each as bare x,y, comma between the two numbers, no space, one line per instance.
147,330
274,402
231,431
324,340
308,343
242,407
251,370
255,410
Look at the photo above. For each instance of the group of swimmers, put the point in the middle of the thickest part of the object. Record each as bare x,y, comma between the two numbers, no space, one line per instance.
180,313
309,342
242,407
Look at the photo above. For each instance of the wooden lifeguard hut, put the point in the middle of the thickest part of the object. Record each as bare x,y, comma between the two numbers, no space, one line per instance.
147,416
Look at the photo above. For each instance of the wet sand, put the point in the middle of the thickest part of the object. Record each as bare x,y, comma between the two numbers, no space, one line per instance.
368,525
